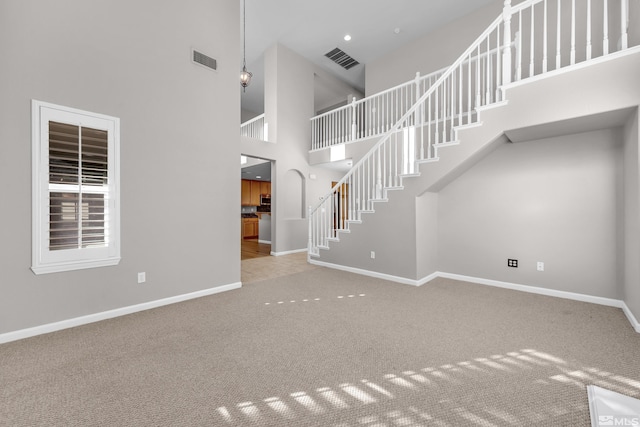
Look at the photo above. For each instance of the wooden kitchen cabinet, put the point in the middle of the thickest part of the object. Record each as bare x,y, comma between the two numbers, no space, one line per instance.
251,191
255,193
250,228
265,187
246,192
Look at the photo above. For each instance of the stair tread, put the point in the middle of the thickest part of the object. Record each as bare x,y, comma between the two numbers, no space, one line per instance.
447,144
469,125
431,160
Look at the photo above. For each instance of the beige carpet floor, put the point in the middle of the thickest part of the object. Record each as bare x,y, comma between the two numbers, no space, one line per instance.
327,348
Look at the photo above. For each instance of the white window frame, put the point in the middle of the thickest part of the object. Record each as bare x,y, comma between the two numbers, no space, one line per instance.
44,260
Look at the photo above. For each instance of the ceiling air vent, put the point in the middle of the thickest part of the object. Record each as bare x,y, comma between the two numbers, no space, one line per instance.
202,59
341,58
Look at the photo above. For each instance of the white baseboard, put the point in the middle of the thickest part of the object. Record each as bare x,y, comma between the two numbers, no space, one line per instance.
375,274
109,314
534,290
268,242
296,251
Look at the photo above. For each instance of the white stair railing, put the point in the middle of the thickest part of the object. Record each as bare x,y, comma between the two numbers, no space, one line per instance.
453,101
368,117
374,115
256,128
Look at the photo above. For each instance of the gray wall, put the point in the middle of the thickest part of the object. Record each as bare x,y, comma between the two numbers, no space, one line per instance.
554,200
434,51
632,215
427,224
179,145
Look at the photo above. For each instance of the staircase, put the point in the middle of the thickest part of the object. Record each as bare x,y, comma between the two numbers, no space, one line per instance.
528,40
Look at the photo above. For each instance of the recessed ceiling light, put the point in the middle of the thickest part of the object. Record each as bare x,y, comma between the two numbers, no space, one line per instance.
347,38
397,30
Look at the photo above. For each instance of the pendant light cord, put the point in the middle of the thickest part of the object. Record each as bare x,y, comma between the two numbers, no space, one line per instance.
244,34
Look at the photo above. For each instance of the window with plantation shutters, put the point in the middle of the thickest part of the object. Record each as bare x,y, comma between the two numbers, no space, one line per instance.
76,209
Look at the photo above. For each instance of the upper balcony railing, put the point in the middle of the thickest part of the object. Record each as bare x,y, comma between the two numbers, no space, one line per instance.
370,116
256,128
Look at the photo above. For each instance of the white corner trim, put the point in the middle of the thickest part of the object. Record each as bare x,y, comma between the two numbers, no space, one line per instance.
363,272
109,314
296,251
428,278
632,319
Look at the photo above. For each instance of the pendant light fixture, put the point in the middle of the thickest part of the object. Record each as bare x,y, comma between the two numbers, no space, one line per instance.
245,76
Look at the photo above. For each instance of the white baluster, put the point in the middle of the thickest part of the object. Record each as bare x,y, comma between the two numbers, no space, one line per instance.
624,24
544,38
506,52
435,112
469,89
379,177
588,30
460,107
499,69
531,48
605,28
558,36
487,63
354,122
445,96
519,46
429,140
572,59
478,88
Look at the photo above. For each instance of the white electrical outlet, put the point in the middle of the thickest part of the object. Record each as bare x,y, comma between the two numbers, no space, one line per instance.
540,266
373,255
142,277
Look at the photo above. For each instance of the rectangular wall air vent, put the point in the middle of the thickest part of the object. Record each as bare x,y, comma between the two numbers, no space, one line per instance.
202,59
341,58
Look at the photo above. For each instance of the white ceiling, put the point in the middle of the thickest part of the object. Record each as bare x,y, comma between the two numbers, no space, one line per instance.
313,28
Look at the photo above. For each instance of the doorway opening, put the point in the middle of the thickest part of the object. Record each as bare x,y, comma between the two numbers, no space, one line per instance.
255,208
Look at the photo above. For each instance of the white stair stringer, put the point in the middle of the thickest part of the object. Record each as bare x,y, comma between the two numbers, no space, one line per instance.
569,97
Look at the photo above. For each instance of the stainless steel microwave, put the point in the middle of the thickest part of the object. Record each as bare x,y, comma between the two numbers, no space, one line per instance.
265,199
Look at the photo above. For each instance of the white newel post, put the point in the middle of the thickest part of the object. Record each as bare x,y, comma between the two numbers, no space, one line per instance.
506,48
354,123
310,244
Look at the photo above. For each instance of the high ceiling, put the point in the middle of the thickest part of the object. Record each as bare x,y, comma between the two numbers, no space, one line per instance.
313,28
